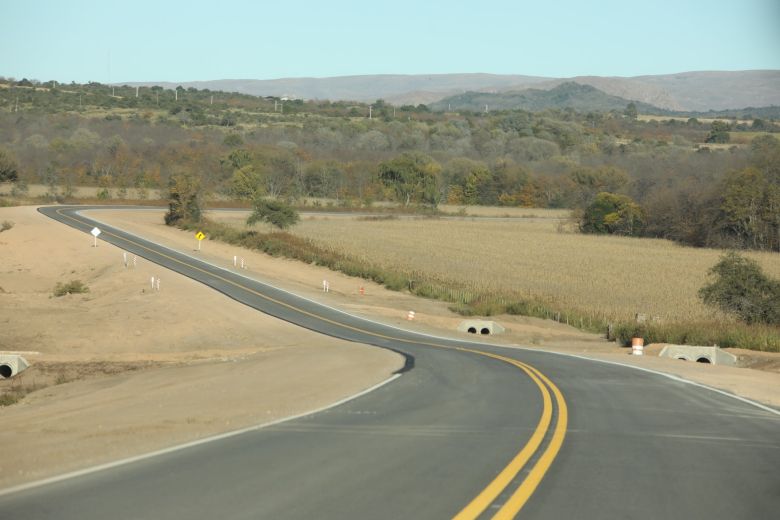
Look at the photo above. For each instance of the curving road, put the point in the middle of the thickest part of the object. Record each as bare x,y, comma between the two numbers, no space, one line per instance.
469,429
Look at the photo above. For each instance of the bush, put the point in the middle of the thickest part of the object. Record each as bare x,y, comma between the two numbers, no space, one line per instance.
6,225
613,214
741,288
184,199
274,212
72,287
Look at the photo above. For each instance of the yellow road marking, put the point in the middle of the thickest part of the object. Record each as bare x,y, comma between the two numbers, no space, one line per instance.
529,485
505,477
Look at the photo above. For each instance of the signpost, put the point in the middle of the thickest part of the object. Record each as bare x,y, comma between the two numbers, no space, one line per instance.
200,236
95,232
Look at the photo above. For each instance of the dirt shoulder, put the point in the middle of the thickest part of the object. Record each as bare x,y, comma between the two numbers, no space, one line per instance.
122,370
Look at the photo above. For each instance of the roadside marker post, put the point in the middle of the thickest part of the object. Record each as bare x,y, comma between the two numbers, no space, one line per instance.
151,281
235,260
362,291
95,232
410,316
325,286
124,258
637,346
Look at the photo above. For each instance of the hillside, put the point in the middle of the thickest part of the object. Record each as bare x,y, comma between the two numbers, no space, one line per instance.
583,98
688,91
361,88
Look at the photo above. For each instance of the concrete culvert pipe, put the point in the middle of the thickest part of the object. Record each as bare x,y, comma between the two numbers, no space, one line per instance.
703,360
11,365
472,330
485,331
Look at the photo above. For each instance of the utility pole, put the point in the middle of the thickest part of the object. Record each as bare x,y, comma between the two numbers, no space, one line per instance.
176,93
369,111
212,99
136,91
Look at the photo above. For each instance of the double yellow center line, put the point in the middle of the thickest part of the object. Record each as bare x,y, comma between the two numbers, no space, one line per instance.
508,475
521,495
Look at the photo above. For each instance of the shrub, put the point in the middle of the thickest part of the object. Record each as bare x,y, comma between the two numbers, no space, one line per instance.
72,287
613,214
184,199
741,288
6,225
274,212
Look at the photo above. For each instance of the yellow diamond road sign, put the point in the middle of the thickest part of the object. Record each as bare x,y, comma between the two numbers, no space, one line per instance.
199,235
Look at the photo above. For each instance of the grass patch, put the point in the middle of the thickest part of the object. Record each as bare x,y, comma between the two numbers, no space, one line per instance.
71,287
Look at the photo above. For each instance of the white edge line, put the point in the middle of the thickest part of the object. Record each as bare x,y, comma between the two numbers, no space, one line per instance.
673,377
178,447
465,342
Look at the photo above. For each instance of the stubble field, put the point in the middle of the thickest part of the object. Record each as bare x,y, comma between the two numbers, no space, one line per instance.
613,278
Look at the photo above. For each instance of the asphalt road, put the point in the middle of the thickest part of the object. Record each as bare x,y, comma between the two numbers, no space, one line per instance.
449,436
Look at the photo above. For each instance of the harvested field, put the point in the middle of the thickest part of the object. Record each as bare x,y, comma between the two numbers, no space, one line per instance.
615,277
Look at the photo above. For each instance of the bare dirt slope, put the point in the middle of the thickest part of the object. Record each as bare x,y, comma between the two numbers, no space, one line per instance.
149,369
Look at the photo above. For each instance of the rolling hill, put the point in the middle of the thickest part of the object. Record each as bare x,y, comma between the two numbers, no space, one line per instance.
582,98
688,91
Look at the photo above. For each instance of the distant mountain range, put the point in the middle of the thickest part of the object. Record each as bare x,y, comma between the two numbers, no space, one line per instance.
688,91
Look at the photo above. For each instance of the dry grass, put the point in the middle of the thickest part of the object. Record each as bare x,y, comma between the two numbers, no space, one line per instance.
613,277
81,192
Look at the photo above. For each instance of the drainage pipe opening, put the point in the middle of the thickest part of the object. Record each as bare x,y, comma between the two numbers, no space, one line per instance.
703,360
485,331
6,371
472,330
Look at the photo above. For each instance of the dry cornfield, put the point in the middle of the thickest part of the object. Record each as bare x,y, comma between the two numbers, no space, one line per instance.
613,277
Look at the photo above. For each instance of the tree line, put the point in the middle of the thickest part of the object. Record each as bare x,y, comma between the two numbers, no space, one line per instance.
622,175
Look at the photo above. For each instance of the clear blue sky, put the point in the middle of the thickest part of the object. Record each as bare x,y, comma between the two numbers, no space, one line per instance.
185,40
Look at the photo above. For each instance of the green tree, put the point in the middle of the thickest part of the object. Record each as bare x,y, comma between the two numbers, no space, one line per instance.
414,177
741,288
247,183
591,181
631,111
274,212
719,132
184,199
610,213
